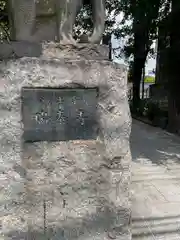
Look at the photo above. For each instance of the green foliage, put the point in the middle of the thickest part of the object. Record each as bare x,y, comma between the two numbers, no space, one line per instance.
139,110
157,113
140,26
84,23
153,110
2,5
144,16
130,73
149,79
3,20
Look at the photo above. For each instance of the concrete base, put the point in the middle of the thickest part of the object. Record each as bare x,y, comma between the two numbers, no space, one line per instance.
65,190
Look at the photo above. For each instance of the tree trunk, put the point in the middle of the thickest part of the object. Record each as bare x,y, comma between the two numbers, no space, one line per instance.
174,96
173,71
136,78
141,39
173,117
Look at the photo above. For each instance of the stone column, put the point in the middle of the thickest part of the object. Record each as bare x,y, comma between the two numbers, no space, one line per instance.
72,189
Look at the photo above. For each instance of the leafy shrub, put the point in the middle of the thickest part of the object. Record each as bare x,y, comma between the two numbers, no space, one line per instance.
139,110
151,109
154,110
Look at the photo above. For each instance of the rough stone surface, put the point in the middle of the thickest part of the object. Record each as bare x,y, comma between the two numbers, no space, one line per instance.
65,190
33,20
19,49
6,50
80,51
52,20
27,49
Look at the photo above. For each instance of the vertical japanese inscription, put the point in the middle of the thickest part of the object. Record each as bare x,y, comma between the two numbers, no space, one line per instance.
59,114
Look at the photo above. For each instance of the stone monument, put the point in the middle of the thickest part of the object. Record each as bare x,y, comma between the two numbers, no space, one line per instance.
64,143
37,20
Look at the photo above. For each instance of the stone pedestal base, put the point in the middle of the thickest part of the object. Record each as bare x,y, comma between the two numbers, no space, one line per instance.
65,190
18,49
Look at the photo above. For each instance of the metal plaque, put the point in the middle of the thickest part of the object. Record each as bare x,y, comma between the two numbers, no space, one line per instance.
52,114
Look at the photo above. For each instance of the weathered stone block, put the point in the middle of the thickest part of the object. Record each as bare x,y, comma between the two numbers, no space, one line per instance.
26,49
18,49
6,50
78,52
65,190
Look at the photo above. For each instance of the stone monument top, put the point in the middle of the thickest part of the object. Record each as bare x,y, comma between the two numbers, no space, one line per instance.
53,20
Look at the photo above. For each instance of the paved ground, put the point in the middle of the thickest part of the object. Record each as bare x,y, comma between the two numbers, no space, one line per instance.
156,183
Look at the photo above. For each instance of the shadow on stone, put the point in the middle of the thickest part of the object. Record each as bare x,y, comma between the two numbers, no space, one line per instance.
103,222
